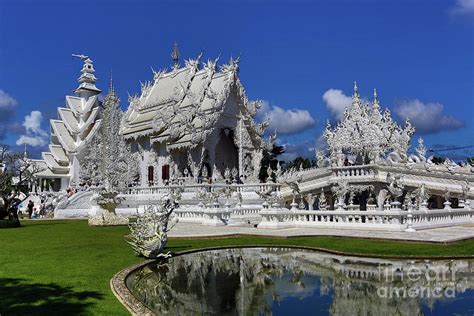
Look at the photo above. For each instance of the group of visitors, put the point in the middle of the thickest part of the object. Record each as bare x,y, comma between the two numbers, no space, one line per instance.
36,212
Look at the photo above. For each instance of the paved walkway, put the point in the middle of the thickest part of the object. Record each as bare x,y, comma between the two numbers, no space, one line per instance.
440,235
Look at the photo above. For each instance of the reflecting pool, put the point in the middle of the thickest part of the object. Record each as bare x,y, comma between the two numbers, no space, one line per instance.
285,281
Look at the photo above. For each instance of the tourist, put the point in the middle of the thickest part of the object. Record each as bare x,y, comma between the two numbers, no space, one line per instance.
69,192
30,208
42,210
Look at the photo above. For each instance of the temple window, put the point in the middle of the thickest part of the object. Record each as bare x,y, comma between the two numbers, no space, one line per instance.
151,171
165,172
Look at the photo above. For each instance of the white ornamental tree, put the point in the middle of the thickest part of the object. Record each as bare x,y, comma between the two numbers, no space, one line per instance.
108,164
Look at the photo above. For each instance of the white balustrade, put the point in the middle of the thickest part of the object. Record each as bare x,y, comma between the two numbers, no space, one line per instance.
393,219
250,187
354,171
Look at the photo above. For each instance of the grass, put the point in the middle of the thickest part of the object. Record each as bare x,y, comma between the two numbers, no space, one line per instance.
64,267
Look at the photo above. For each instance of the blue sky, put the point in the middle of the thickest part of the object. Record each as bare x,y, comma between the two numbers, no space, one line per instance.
418,54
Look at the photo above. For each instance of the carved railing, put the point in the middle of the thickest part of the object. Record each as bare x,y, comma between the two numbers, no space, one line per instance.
443,217
354,171
250,187
208,216
392,219
246,212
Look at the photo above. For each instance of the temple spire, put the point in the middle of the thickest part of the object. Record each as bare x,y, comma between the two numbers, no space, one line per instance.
175,55
356,90
376,100
87,79
111,84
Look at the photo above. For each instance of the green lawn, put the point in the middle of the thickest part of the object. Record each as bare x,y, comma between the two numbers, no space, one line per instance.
64,267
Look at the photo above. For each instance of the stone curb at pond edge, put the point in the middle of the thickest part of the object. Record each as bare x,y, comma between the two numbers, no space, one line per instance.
135,307
124,295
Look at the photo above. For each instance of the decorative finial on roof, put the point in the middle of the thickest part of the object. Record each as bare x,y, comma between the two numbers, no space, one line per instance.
111,84
175,55
87,79
376,100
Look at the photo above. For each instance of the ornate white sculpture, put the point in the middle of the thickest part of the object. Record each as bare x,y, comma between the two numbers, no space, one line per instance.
395,185
149,234
310,198
367,133
110,166
322,202
340,192
321,160
292,178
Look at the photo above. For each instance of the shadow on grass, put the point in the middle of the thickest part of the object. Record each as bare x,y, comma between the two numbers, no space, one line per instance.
34,223
19,297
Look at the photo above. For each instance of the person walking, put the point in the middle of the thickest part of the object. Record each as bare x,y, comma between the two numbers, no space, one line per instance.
30,208
42,210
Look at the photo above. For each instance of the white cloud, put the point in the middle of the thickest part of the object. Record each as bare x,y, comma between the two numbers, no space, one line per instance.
285,121
32,123
306,148
35,136
7,112
427,117
6,101
34,141
336,102
463,8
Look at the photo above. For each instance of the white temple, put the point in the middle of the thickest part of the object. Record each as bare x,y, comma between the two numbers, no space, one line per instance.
193,118
188,121
192,130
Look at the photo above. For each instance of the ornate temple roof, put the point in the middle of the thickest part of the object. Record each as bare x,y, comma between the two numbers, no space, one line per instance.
181,106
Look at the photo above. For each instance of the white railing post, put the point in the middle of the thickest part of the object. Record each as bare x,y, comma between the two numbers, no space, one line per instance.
410,228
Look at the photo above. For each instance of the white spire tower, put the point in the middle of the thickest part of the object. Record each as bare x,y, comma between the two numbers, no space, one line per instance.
77,122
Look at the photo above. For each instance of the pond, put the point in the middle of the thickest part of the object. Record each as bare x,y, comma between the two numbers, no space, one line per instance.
289,281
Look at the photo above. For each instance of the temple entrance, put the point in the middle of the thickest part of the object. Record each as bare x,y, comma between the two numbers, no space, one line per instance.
227,154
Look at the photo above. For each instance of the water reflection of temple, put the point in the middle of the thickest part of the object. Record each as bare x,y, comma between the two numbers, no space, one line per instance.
249,281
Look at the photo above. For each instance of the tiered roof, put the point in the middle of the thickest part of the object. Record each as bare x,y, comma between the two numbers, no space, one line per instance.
182,106
76,124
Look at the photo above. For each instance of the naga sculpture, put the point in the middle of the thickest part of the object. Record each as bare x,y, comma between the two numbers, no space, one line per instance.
395,185
149,234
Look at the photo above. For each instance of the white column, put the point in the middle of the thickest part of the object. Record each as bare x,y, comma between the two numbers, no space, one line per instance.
241,150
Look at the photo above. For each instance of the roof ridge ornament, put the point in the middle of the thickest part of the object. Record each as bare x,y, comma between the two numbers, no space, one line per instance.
175,55
376,102
111,83
356,90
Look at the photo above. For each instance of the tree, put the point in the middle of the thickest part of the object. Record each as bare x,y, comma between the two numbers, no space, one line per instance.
269,159
470,161
438,160
300,161
17,171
